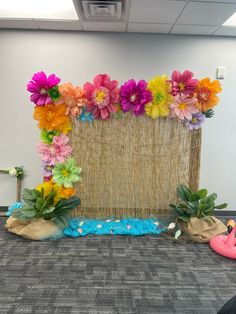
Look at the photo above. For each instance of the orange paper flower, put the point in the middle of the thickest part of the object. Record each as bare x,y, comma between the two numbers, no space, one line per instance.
206,94
52,117
73,97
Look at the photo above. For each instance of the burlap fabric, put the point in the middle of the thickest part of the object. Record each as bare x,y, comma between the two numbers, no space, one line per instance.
203,229
35,229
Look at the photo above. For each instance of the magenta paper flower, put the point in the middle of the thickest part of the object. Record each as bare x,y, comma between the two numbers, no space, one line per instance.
183,107
183,83
39,86
58,151
102,95
134,96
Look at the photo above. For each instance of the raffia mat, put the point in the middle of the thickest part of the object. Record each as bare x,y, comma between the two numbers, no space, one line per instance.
132,165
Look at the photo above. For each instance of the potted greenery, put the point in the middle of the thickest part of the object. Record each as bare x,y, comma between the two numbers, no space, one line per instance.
42,216
195,214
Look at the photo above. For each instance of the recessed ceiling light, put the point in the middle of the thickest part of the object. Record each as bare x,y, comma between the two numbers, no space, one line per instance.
231,21
38,9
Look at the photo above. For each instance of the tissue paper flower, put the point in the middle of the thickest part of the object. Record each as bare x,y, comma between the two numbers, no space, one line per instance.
206,94
183,107
102,96
39,86
61,192
196,122
52,118
161,97
134,96
47,136
47,171
55,152
73,98
183,83
85,116
66,173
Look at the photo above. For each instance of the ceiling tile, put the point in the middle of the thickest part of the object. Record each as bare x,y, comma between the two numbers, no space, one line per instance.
58,25
226,31
223,1
104,26
149,28
205,13
193,29
21,24
155,11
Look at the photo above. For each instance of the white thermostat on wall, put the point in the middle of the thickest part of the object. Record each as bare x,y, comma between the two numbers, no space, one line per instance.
221,72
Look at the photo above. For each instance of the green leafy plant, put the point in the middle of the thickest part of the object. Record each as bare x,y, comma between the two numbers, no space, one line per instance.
38,205
195,204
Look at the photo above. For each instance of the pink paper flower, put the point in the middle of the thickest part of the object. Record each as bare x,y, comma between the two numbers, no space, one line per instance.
183,83
58,151
39,86
183,107
102,95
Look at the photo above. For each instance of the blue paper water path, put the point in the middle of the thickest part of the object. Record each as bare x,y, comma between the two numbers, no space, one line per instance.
79,227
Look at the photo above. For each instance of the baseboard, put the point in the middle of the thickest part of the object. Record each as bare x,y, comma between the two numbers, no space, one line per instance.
225,212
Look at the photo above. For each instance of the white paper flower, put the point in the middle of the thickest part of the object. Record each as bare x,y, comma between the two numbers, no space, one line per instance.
12,172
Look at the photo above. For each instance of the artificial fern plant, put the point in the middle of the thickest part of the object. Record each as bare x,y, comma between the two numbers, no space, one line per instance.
195,204
39,205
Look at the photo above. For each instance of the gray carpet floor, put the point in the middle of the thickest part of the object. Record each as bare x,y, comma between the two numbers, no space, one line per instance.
112,274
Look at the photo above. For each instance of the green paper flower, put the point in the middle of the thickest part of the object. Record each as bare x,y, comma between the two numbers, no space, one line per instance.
66,173
54,93
47,136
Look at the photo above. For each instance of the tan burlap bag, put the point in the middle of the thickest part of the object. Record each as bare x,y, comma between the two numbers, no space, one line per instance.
35,229
203,229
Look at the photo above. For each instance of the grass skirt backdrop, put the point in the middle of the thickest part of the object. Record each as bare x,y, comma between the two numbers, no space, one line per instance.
131,166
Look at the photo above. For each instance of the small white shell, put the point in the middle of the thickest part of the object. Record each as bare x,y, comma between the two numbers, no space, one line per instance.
177,234
81,223
156,223
99,226
171,226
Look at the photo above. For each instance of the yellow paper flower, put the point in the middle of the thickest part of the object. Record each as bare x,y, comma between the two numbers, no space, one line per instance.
52,117
161,93
61,192
206,94
47,186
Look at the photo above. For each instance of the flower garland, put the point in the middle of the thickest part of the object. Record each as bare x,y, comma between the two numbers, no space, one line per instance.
182,97
17,172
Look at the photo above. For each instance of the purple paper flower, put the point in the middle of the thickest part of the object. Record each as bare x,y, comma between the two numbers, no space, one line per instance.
47,170
196,122
134,96
39,86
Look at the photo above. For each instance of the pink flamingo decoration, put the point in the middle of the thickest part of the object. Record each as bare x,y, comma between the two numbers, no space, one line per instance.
226,245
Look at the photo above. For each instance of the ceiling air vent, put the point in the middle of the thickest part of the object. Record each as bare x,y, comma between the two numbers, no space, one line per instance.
102,9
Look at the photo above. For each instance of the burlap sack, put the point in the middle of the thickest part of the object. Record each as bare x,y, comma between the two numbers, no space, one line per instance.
35,229
203,229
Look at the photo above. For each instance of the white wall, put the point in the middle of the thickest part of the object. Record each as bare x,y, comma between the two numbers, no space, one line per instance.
77,57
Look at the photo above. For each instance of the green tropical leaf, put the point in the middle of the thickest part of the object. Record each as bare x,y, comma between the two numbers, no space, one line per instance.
183,192
28,196
184,218
202,193
221,206
48,210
